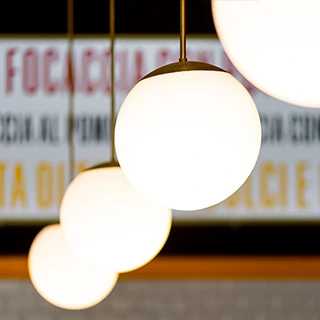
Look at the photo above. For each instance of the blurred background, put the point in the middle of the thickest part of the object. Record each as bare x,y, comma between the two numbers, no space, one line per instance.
254,256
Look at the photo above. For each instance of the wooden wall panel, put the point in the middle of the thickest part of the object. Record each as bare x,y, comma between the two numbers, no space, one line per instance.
200,267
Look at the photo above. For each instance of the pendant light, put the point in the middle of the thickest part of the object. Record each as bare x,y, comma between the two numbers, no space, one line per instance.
57,272
105,220
62,277
188,134
274,44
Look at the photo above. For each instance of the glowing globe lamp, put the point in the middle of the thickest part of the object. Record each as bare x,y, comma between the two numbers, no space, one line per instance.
108,222
62,277
274,44
188,135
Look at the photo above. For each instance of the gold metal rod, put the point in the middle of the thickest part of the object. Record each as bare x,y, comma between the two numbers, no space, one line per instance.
70,35
112,87
183,37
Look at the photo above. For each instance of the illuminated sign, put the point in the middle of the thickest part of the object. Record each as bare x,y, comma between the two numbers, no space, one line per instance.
33,128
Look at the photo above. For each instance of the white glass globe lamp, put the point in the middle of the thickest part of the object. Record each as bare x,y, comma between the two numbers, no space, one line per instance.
62,277
109,223
188,135
274,44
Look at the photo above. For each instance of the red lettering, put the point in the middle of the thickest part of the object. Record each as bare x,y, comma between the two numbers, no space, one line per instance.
50,56
162,57
122,63
87,58
105,71
205,56
10,70
30,71
139,72
65,81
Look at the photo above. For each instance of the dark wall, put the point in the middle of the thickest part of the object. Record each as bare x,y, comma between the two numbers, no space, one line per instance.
132,16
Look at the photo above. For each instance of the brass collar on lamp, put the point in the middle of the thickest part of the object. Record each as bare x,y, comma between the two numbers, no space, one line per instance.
183,66
103,166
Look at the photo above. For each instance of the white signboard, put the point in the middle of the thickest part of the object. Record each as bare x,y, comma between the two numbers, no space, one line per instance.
34,173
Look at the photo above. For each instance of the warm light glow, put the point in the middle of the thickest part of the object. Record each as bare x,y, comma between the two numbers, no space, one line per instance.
108,222
188,140
62,277
274,44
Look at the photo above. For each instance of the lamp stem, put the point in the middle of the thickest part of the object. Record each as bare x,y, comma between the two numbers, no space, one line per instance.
183,31
70,36
112,88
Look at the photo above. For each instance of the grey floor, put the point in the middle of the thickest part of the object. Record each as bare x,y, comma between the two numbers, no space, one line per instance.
175,300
